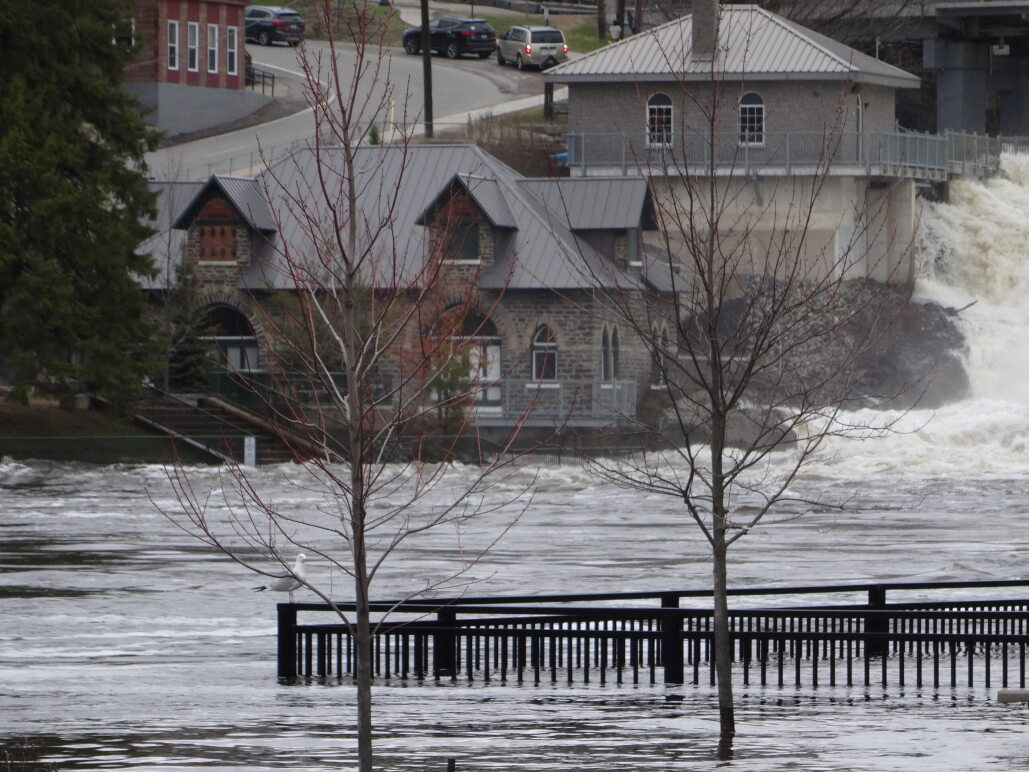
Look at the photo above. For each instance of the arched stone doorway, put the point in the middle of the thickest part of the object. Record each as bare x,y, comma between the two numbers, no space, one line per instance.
230,338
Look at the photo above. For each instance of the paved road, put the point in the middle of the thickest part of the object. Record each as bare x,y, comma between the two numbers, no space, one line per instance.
467,87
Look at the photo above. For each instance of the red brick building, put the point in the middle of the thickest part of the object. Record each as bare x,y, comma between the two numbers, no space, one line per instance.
191,69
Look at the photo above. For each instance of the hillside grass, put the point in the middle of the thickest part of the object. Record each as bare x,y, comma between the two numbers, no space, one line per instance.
43,418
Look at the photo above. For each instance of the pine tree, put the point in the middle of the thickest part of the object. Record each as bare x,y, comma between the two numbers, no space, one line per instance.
73,197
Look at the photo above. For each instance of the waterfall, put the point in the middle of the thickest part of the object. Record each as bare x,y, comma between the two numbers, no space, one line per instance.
974,253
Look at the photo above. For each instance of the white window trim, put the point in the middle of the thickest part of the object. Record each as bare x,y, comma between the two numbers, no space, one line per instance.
653,109
551,348
173,45
758,109
232,51
193,46
212,48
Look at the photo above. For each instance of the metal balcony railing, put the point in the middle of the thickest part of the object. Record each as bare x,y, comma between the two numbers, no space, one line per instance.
558,401
896,154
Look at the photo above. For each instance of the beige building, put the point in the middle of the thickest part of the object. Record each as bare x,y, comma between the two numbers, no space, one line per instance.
798,132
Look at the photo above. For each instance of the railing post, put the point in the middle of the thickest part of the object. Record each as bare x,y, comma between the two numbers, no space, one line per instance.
671,639
287,613
443,642
875,623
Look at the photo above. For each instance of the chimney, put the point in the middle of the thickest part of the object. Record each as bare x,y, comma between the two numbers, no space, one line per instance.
705,29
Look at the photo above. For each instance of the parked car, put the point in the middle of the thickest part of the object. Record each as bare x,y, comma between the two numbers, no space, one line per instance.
454,37
269,24
532,46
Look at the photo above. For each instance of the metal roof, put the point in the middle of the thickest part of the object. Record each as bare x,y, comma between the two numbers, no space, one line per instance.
595,203
166,243
536,247
485,192
244,193
752,44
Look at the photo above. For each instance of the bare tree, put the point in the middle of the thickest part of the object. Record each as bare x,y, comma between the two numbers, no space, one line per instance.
758,316
377,361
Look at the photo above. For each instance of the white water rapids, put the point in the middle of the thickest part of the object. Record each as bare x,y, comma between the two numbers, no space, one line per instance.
126,645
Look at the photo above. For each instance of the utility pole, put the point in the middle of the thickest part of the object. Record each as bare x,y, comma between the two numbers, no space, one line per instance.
426,69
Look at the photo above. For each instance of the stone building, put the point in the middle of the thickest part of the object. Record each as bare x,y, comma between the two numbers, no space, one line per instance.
529,253
797,130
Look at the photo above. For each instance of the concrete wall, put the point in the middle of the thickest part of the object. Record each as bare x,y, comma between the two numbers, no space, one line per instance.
177,109
853,228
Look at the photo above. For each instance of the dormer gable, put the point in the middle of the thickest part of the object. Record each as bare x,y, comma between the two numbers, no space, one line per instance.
223,221
464,217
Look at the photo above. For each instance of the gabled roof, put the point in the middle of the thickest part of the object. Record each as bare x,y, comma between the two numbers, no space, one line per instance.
245,195
485,193
538,252
753,44
536,245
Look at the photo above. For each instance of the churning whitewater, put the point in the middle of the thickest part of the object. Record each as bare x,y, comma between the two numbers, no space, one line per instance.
127,645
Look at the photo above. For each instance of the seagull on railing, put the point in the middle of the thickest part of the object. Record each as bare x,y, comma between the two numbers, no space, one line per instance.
294,580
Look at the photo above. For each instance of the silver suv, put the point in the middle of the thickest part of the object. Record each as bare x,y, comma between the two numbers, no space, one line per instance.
532,46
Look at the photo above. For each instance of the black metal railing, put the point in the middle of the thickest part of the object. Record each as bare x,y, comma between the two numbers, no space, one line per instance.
546,638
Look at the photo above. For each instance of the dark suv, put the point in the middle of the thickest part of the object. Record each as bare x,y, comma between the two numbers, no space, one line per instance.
269,24
454,37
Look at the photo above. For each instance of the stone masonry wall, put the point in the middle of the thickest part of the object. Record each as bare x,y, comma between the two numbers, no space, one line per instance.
789,106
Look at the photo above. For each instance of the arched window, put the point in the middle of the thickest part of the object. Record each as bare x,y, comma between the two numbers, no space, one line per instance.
477,342
659,119
544,354
609,354
752,119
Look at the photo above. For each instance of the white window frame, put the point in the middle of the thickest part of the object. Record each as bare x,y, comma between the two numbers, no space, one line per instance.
232,50
660,120
544,351
173,45
752,120
193,46
212,49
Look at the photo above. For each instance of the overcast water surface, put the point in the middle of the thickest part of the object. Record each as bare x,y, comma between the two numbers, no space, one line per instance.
125,644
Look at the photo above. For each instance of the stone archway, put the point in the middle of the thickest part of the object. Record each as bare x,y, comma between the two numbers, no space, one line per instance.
230,338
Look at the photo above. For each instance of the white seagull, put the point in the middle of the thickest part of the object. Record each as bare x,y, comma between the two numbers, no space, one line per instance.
294,580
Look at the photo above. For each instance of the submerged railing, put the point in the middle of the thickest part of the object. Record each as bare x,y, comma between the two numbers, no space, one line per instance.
547,638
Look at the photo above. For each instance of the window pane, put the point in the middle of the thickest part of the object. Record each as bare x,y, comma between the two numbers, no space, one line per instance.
752,120
173,45
464,244
659,120
230,53
544,355
192,42
212,48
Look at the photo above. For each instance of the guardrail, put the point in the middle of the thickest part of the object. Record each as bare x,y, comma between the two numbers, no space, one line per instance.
573,402
896,154
257,78
546,638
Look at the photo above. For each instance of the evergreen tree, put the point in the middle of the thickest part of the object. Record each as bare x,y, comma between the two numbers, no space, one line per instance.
73,200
